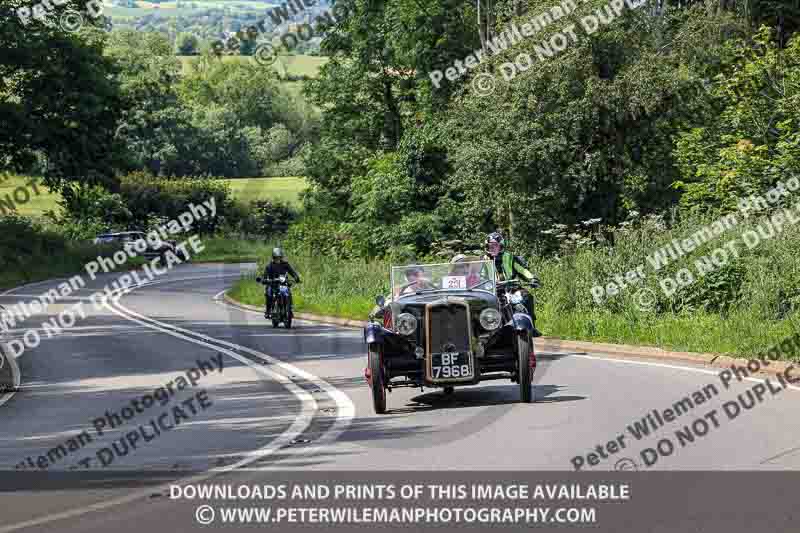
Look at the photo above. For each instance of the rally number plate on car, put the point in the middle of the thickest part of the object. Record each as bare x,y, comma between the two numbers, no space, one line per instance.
451,366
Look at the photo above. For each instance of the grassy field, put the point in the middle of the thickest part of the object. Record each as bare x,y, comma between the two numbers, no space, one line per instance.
137,12
205,4
281,189
38,204
295,65
244,189
175,9
301,65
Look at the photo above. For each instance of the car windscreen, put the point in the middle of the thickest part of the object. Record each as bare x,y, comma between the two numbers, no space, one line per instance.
413,279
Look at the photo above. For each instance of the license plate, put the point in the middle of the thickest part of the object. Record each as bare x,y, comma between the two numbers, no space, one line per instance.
451,365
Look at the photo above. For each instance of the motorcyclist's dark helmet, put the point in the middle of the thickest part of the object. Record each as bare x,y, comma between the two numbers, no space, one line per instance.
495,243
277,254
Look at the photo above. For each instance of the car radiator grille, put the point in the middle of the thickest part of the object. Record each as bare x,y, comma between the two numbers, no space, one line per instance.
449,325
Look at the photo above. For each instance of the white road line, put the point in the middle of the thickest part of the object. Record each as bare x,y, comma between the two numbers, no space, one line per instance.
27,285
8,359
673,367
344,404
18,380
219,294
592,357
345,413
345,409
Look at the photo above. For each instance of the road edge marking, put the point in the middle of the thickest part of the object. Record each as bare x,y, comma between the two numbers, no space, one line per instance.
16,375
250,457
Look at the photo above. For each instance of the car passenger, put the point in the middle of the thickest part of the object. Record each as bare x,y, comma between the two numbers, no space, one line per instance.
415,276
469,271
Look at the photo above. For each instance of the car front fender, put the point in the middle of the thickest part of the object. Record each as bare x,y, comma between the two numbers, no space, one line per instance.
523,322
375,334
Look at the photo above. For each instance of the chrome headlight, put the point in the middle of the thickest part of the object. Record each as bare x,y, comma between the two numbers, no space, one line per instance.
516,298
406,324
490,319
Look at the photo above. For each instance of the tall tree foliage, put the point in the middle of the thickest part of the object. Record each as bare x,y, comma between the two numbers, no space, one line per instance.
213,119
376,87
754,141
59,98
586,134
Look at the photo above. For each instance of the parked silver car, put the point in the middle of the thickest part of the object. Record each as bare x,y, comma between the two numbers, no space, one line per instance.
128,239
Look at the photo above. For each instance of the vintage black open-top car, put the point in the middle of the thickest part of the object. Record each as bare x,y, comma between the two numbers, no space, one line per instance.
447,325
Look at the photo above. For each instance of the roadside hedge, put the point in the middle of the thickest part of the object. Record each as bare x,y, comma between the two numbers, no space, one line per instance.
147,197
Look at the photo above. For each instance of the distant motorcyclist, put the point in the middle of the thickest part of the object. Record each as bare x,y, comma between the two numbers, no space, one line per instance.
276,268
511,267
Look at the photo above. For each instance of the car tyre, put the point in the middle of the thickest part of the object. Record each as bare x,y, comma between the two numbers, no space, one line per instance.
377,380
524,376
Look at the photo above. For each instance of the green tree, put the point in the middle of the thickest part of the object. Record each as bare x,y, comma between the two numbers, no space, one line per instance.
156,131
59,97
755,140
376,84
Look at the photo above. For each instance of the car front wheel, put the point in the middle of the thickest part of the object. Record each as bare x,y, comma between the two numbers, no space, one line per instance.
524,375
377,382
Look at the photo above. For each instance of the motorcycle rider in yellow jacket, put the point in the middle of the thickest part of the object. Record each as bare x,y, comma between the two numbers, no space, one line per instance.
510,267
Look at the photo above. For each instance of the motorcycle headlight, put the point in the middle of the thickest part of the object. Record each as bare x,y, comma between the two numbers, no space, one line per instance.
516,298
406,324
490,319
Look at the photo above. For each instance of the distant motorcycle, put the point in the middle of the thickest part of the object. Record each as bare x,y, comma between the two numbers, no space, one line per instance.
281,311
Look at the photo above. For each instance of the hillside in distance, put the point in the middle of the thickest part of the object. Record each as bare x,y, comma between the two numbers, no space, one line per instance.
212,19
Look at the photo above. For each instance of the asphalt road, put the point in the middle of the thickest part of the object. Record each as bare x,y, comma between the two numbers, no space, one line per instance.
297,399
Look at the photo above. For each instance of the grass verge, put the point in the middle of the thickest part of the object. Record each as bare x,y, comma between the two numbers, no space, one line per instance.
347,289
332,287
